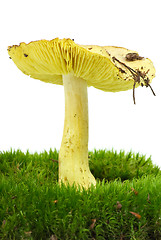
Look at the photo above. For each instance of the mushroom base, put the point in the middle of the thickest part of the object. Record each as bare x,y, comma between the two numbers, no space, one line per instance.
73,155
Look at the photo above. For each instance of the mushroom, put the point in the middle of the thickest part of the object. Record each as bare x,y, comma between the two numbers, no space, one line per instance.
63,62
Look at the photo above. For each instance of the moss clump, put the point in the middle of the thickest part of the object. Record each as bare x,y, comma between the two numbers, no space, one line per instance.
34,206
110,165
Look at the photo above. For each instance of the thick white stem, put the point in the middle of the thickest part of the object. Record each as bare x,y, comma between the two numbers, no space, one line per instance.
73,155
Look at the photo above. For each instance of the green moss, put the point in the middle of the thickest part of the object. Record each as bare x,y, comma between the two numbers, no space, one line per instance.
110,165
34,206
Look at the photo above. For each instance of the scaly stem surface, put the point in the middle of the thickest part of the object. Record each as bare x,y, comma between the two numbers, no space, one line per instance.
73,155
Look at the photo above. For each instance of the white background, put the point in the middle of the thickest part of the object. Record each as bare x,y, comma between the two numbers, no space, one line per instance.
32,112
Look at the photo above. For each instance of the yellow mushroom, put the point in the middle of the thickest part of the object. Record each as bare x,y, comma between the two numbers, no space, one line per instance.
62,61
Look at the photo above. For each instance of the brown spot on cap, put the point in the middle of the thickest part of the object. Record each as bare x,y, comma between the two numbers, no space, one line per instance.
121,70
133,57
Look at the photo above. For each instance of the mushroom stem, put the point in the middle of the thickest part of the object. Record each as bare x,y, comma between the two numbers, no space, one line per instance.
73,155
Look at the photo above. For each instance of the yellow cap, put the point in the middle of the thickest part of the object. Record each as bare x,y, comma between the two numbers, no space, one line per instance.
110,69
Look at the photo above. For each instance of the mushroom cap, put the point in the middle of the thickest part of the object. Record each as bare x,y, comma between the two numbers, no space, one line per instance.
105,68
